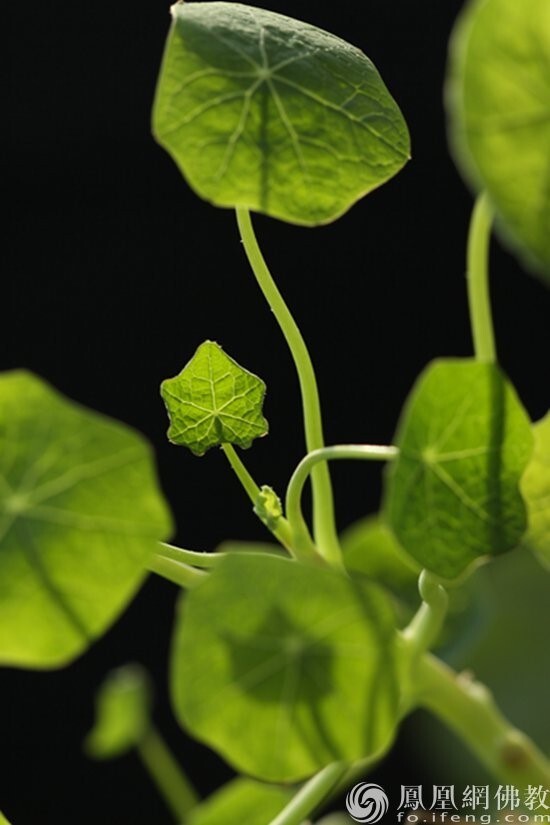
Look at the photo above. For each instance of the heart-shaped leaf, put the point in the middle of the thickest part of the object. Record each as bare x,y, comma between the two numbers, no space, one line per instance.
499,109
284,668
464,441
265,112
214,401
80,515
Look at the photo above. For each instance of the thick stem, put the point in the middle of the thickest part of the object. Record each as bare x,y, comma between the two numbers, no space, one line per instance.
282,529
323,506
311,795
468,708
307,465
425,626
478,281
192,557
173,785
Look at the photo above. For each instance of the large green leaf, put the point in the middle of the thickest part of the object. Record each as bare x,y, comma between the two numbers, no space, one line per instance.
452,494
535,486
284,668
499,108
241,801
262,111
214,401
80,514
123,705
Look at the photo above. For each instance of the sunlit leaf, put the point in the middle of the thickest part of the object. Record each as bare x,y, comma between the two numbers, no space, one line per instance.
284,668
452,494
214,401
3,820
122,713
241,801
499,107
535,486
262,111
80,515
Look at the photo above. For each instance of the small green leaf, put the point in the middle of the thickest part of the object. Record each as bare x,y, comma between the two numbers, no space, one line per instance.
214,401
122,713
452,494
241,801
499,111
269,113
283,668
535,486
268,507
80,516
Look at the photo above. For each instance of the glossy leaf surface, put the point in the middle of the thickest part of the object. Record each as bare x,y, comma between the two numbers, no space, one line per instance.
214,401
452,494
242,800
499,107
269,113
80,515
122,713
283,668
535,486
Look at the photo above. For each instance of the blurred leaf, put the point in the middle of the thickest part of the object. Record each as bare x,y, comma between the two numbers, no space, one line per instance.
214,401
499,110
334,819
122,713
3,820
535,486
283,668
241,801
452,494
266,112
80,515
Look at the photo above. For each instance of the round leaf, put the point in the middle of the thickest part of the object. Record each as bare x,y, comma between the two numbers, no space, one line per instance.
464,441
265,112
122,713
535,486
242,800
214,401
499,108
283,668
80,514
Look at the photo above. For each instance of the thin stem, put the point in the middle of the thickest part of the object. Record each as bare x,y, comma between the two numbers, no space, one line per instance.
307,465
311,795
323,506
468,708
282,529
192,557
172,783
426,625
176,572
478,281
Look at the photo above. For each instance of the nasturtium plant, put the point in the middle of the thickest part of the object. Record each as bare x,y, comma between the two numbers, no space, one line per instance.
535,486
499,107
80,516
453,493
272,661
296,659
214,401
249,100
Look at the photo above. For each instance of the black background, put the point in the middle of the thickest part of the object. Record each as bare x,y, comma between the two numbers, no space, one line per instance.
116,272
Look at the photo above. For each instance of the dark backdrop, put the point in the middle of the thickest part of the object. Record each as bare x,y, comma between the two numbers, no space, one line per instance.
116,273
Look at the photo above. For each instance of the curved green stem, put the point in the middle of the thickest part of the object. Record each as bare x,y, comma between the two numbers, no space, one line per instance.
478,281
311,795
307,465
175,571
282,529
323,506
173,785
468,708
192,557
426,625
